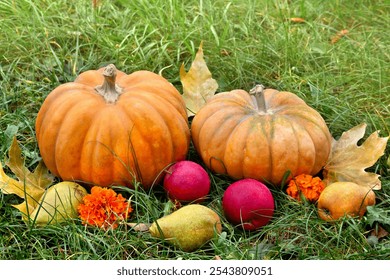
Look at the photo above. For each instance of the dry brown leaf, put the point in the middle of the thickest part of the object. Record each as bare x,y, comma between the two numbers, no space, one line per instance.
225,52
141,227
198,84
348,161
379,232
338,36
29,186
297,20
95,3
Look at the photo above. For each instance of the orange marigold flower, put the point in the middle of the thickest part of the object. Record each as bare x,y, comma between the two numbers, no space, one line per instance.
104,208
307,186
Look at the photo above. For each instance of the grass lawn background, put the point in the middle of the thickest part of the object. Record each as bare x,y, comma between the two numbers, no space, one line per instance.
46,43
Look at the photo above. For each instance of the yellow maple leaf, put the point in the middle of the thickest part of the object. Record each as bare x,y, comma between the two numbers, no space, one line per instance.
198,84
348,160
29,186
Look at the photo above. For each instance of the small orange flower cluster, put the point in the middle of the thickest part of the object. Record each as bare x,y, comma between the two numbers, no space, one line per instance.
104,208
307,186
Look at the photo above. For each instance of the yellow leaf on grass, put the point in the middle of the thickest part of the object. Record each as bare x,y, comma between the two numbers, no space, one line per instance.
348,161
198,84
9,185
29,186
40,179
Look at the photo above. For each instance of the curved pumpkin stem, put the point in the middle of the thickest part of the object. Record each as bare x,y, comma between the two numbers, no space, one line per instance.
109,89
257,94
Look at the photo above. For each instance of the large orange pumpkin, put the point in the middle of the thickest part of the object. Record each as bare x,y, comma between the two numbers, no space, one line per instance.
109,128
264,135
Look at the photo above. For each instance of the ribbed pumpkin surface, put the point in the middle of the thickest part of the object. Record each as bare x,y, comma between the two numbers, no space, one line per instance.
83,137
234,135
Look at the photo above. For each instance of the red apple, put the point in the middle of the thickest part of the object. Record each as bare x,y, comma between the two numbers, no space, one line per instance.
186,181
249,203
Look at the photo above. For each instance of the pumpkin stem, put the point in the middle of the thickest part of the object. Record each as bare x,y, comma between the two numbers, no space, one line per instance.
109,89
257,94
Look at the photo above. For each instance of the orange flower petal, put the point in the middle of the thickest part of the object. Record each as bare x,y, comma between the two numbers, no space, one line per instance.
104,208
307,186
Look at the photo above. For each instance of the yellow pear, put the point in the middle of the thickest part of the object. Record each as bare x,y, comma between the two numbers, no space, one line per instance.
189,228
58,203
344,199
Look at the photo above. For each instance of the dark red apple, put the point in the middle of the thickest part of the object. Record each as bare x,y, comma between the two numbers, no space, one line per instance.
249,203
186,181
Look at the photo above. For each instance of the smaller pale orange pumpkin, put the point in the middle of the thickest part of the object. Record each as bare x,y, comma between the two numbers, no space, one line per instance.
262,135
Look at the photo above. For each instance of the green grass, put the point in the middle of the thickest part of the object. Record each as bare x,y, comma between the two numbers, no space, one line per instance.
45,43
